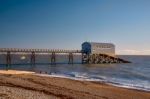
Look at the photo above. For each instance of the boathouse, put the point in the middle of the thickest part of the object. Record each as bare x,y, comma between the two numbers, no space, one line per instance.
99,48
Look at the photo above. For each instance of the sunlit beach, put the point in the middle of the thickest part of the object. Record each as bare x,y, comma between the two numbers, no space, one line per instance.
74,49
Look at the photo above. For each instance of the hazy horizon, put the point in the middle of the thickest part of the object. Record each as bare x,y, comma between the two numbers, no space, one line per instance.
66,24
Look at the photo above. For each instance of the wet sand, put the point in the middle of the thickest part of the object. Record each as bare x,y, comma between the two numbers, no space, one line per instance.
15,72
30,86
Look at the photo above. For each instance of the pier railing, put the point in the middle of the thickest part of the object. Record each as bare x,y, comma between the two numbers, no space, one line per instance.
39,50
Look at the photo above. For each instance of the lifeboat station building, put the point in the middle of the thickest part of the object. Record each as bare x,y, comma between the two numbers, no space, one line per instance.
98,48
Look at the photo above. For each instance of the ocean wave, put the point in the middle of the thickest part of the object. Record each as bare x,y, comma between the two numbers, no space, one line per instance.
118,82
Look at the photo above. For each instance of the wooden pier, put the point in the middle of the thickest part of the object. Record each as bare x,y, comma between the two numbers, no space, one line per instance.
86,58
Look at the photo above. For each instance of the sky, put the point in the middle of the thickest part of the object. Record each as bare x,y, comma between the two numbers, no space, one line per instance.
66,24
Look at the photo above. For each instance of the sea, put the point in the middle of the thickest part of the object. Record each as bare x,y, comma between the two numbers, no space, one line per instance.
135,75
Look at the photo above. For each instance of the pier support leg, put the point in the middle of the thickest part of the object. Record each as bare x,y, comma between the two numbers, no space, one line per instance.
85,58
70,58
8,59
32,58
53,58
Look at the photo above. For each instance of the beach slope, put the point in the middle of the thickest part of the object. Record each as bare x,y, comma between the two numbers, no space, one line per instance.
30,86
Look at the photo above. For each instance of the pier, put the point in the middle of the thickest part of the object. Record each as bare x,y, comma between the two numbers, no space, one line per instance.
86,57
33,52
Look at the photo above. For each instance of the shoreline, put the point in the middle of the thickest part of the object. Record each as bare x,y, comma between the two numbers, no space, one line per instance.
31,85
69,77
95,81
7,72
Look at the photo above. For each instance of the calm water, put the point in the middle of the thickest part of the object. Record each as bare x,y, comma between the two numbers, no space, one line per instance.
134,75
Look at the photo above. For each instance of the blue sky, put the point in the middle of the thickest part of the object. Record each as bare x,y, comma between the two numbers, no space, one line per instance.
65,24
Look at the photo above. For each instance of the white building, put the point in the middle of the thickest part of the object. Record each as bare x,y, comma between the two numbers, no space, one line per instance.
99,48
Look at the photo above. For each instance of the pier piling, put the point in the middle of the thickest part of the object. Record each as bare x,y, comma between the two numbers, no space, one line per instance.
85,58
70,58
32,62
53,58
8,58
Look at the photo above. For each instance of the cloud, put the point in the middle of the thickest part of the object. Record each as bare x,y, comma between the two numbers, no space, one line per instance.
133,52
146,50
